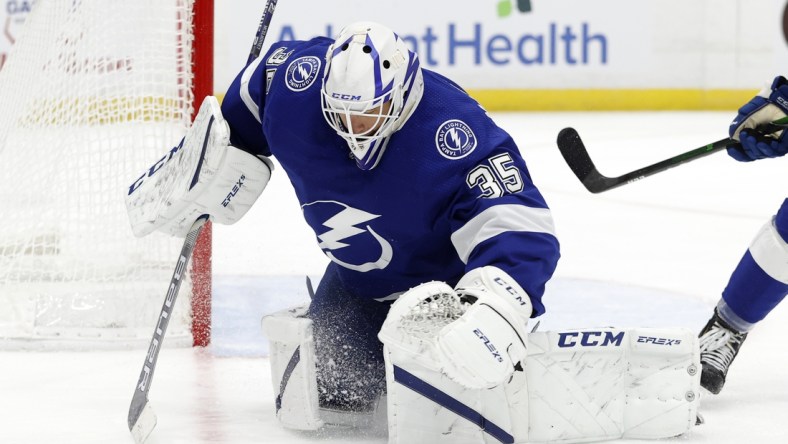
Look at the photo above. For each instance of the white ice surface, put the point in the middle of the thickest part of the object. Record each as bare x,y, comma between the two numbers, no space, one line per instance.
653,253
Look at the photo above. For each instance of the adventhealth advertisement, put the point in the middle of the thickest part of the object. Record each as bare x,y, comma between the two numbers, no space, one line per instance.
547,44
506,43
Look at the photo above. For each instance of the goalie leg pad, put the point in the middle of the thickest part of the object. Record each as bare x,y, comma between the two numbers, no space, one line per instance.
608,383
578,386
292,355
424,404
664,386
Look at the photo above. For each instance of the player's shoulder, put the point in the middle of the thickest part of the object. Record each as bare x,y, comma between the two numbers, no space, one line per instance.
293,68
461,129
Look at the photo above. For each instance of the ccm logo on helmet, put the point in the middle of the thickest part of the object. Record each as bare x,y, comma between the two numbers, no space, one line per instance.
345,96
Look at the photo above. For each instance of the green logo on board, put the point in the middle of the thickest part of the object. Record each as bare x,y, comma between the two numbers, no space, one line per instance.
505,7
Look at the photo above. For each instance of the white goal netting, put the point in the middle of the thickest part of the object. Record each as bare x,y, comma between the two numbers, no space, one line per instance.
93,92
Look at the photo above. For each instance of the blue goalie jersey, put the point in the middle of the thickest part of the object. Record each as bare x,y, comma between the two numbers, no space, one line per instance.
451,193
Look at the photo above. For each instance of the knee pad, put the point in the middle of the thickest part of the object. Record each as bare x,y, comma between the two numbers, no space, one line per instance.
294,377
292,355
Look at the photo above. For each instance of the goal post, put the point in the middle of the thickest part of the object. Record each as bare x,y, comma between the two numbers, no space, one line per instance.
202,66
92,93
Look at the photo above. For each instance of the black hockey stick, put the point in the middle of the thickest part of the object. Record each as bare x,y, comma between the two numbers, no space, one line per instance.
262,30
141,418
574,152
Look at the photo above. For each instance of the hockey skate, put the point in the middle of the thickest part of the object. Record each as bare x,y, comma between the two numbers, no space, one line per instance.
719,345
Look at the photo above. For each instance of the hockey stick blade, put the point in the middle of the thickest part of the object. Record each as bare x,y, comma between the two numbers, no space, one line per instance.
144,425
576,156
142,419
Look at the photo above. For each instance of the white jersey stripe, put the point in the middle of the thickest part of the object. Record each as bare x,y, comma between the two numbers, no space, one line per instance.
500,219
244,88
771,252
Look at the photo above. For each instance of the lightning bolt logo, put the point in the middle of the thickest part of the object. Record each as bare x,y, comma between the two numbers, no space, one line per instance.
456,140
345,224
304,70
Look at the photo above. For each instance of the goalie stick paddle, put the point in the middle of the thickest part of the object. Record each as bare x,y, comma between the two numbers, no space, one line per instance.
576,156
141,418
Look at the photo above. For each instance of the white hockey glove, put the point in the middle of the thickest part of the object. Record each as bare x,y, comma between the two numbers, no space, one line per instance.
202,175
487,344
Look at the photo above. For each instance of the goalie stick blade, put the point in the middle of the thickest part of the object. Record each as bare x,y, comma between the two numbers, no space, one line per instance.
144,425
576,156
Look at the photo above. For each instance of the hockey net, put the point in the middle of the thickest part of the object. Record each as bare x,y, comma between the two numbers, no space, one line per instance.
93,92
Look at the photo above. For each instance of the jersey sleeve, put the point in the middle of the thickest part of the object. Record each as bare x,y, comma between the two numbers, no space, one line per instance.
243,105
500,218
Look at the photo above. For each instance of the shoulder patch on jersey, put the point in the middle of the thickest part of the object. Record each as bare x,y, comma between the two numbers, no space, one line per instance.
455,139
278,56
302,72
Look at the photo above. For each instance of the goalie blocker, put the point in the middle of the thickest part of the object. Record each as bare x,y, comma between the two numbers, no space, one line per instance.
574,386
203,174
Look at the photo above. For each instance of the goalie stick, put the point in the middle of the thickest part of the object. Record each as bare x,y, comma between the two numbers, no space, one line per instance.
262,30
141,418
576,156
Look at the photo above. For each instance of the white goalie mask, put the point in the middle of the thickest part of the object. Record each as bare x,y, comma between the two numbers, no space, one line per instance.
371,85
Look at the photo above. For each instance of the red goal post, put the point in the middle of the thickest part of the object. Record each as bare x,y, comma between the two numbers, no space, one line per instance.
202,56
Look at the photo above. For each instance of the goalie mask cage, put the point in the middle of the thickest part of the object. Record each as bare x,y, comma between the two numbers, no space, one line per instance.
92,94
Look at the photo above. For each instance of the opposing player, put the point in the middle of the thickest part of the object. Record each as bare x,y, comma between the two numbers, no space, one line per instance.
760,280
404,179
